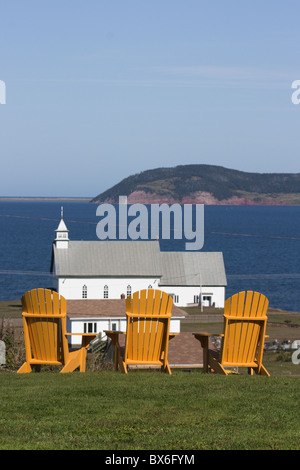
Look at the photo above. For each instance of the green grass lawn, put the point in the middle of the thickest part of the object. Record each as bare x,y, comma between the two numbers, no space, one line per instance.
105,410
147,410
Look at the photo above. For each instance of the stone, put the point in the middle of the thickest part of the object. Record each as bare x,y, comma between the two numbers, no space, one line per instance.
2,353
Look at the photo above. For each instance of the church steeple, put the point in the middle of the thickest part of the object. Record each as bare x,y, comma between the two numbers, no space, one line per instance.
62,239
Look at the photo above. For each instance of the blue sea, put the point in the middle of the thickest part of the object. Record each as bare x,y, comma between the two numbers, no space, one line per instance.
260,245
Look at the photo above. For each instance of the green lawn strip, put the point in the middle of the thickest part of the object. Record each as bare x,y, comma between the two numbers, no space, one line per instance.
148,410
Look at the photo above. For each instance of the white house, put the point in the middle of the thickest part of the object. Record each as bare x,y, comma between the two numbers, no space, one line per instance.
95,316
109,271
194,278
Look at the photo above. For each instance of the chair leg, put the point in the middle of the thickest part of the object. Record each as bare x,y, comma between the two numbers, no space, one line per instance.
263,371
83,359
119,362
166,368
216,366
76,359
25,368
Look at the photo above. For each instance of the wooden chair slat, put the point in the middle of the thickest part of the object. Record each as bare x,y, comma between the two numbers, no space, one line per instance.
147,333
245,320
45,335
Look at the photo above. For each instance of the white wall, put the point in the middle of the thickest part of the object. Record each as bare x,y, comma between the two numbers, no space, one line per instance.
71,288
75,325
186,294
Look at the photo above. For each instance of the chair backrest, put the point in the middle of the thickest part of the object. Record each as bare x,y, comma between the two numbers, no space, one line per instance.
245,318
44,315
148,323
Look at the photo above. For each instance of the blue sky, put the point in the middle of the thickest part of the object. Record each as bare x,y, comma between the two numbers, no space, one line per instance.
97,90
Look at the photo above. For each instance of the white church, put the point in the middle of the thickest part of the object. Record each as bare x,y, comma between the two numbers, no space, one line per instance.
96,276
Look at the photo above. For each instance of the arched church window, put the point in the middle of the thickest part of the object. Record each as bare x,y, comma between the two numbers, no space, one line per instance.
84,292
105,292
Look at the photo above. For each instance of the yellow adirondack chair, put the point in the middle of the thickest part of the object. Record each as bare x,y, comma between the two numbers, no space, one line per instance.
148,315
245,320
45,335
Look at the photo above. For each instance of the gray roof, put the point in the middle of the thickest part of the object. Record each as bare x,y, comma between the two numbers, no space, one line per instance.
108,258
139,259
193,268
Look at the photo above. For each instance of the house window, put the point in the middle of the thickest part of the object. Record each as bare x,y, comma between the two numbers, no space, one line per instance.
206,299
105,292
196,299
84,292
175,298
128,291
90,327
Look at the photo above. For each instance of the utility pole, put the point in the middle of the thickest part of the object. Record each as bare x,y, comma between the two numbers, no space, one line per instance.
200,282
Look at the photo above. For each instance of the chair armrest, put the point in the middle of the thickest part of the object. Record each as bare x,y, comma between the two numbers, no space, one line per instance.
114,335
201,334
114,332
81,334
86,338
171,335
204,337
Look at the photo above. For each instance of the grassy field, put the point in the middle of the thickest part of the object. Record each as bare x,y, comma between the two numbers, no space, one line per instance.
10,309
147,410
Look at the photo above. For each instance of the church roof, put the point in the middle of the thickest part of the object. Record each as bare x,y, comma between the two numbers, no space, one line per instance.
190,268
108,258
115,258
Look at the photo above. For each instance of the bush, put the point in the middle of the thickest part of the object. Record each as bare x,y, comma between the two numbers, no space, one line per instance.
283,356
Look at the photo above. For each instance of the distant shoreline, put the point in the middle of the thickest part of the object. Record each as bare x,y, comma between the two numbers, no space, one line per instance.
14,198
141,201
